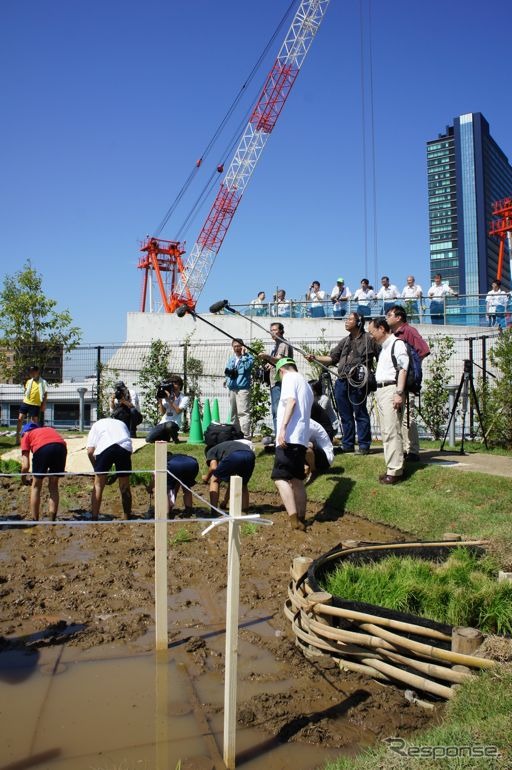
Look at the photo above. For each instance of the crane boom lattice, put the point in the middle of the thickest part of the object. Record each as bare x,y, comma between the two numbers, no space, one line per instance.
265,114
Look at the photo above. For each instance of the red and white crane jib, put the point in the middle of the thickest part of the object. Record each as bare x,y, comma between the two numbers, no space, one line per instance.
278,85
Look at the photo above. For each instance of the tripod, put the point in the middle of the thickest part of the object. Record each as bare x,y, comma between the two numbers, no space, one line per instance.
466,387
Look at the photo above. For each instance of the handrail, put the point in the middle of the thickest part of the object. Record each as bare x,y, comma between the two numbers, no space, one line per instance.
460,310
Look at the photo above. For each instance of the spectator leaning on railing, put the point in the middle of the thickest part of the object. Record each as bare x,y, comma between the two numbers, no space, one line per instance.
496,304
364,296
388,293
340,294
412,293
437,293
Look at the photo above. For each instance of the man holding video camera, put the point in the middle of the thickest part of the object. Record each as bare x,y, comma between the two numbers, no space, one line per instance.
124,406
171,404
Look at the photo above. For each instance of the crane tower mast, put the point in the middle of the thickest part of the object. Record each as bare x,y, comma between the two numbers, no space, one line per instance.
193,276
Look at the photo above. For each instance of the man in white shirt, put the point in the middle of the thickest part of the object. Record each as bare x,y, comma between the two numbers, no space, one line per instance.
388,293
172,403
108,444
293,428
437,293
495,305
412,293
390,396
364,296
316,296
340,294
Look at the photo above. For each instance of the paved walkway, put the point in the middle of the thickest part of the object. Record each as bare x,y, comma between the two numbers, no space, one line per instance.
494,465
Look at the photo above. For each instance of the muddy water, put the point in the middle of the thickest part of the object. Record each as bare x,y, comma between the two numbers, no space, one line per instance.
79,686
126,712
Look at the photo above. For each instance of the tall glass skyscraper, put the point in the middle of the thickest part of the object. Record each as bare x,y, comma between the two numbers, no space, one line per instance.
467,172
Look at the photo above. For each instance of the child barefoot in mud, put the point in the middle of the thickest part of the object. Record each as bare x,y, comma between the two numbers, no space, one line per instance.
229,458
48,457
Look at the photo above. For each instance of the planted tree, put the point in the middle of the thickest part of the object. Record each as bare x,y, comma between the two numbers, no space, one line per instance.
32,330
434,394
496,396
259,407
154,370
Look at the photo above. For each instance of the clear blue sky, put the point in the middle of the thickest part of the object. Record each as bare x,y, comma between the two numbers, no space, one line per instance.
108,103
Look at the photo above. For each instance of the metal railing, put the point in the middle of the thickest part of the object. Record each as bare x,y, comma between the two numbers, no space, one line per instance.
462,310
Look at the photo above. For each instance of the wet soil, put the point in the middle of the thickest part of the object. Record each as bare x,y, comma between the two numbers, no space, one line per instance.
92,586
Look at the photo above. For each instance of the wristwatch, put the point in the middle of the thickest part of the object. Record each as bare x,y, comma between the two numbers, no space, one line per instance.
399,393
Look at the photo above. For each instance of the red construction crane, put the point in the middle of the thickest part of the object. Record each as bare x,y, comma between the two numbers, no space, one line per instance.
189,277
501,227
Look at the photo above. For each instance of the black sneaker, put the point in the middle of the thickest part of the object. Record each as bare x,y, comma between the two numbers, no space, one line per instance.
363,451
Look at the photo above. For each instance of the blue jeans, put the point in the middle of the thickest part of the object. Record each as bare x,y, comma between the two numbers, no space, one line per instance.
437,311
353,412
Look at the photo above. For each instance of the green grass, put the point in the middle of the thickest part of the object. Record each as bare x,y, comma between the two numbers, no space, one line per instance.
478,716
182,535
462,591
248,528
10,466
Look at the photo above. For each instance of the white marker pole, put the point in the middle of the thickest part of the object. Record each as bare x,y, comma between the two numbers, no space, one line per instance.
161,635
232,604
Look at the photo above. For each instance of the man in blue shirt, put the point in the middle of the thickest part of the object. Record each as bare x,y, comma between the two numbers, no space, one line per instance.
238,382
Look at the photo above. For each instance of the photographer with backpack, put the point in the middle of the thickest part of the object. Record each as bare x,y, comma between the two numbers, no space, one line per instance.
419,350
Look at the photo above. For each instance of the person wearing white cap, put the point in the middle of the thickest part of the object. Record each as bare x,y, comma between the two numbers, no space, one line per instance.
339,296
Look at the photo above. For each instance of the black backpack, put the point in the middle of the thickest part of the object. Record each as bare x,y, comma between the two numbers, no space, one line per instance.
414,371
217,432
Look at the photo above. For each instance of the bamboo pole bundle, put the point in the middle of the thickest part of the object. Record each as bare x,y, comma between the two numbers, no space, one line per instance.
439,672
341,612
428,650
373,645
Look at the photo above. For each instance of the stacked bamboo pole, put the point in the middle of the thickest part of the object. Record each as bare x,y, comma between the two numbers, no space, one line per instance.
389,649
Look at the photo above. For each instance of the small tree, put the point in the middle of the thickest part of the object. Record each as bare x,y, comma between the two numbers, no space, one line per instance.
322,349
495,398
107,380
259,395
434,394
154,370
30,327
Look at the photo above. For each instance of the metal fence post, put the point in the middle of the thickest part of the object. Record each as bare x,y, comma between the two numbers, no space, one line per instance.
99,410
81,413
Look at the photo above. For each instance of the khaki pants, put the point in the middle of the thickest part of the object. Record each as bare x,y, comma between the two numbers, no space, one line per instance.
410,437
391,430
239,403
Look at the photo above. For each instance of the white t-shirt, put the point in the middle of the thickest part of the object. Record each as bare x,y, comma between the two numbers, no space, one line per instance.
295,386
319,437
386,371
316,297
388,292
364,297
439,290
170,415
106,432
496,299
412,292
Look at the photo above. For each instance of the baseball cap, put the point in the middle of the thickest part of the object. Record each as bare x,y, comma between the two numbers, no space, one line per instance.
29,426
340,280
284,362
